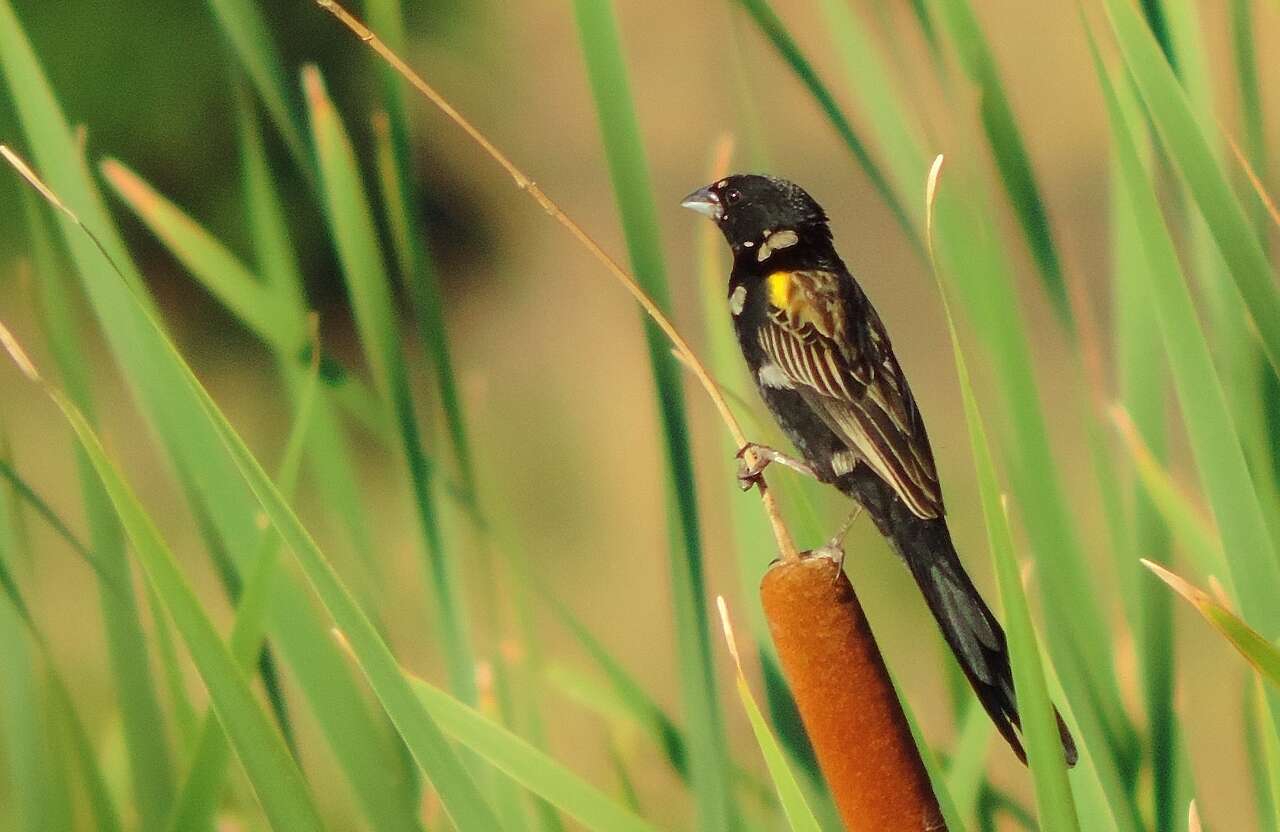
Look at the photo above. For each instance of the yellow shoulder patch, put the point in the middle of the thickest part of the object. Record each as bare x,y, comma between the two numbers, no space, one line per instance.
780,289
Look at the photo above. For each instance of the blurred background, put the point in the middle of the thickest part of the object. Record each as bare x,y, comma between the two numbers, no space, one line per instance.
549,354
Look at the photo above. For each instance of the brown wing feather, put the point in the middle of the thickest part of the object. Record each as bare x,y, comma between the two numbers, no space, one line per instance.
845,367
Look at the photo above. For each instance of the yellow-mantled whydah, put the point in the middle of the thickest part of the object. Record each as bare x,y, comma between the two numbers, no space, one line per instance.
825,368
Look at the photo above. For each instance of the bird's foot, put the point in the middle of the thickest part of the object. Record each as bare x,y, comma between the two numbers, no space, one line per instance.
834,548
749,473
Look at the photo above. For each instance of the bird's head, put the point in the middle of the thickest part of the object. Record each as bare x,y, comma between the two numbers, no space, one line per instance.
750,209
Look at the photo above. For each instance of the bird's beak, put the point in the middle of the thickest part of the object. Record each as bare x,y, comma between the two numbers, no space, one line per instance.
704,201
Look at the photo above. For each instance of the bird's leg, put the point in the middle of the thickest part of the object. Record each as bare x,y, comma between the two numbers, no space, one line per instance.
834,548
749,475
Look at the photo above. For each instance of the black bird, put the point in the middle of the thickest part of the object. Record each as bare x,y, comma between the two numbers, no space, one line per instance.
824,365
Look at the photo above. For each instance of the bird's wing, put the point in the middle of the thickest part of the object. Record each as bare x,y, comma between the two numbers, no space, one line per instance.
828,342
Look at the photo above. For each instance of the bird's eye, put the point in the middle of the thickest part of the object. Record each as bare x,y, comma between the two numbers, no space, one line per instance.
733,196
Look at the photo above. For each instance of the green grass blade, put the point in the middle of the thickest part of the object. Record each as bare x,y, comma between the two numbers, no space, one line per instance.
102,811
184,714
417,267
1263,752
198,799
1007,147
1142,381
242,23
1153,11
356,239
458,793
871,78
259,307
28,761
23,490
708,753
150,771
1185,519
773,28
937,776
214,489
1056,807
275,776
1215,445
1079,642
1258,651
1252,109
966,770
799,815
330,455
628,692
422,736
27,780
1190,153
526,765
437,759
277,316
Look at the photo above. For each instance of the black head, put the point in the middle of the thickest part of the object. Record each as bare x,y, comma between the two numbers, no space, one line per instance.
749,208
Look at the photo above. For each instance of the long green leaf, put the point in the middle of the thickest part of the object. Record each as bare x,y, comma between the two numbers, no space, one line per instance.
1080,647
1039,724
242,23
253,302
628,171
525,764
198,799
22,771
150,769
870,77
797,810
421,735
1189,151
273,313
1215,445
1263,751
209,480
356,240
776,31
417,267
275,776
1184,518
966,769
28,759
1256,650
458,793
1007,147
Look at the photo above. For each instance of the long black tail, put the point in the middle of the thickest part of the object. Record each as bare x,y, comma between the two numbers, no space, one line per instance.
967,623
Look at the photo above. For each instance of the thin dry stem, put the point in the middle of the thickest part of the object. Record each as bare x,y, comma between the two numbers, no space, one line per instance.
1253,177
18,354
729,638
786,546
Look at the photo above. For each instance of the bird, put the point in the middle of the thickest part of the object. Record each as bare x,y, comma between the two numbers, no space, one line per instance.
823,363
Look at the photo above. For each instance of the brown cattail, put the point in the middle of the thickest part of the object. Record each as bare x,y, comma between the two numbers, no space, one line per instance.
846,700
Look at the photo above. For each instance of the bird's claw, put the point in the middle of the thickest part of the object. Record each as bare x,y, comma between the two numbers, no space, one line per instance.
833,549
749,474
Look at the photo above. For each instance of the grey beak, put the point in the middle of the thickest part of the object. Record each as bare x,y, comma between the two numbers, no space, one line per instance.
705,202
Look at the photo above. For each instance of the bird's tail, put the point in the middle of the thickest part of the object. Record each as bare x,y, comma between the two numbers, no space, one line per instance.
967,623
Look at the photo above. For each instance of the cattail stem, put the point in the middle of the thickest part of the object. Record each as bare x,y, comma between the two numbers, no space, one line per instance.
847,701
